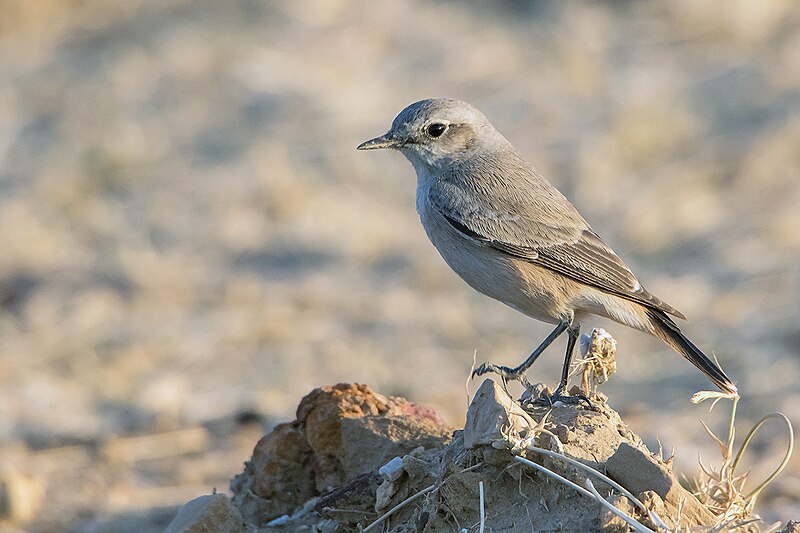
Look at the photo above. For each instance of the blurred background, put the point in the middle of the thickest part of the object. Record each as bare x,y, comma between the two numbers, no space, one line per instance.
190,242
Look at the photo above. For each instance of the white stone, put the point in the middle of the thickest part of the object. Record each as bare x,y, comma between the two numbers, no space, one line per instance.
392,470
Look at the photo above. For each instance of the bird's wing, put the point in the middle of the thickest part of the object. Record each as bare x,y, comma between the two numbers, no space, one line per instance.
550,234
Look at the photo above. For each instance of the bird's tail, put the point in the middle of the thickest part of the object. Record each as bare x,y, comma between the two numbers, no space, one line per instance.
666,330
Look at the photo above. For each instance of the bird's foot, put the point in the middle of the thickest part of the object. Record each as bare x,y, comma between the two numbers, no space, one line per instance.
504,371
506,374
534,395
551,400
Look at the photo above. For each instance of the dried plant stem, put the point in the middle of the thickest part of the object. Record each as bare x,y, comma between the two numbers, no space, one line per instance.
411,498
469,376
732,430
730,504
397,507
635,524
594,496
789,448
625,492
552,474
483,511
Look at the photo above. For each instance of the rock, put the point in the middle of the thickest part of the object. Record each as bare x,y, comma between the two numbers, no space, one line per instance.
356,410
562,432
280,472
392,470
321,413
655,504
341,433
369,442
638,471
213,513
494,418
385,493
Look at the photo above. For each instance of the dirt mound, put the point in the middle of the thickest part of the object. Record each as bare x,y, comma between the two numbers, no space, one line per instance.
342,436
355,460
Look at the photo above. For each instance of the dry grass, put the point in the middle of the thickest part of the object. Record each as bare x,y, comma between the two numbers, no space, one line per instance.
721,489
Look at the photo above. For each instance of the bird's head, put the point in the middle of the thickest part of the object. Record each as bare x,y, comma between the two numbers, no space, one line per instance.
438,132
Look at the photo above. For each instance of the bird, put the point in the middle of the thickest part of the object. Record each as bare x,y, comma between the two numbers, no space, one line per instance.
511,235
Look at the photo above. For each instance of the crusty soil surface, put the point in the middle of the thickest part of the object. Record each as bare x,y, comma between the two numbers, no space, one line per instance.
325,471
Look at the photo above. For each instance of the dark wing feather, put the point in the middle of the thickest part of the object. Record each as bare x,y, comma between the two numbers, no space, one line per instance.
522,252
587,260
590,261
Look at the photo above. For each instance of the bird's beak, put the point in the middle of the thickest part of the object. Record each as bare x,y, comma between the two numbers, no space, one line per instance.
384,141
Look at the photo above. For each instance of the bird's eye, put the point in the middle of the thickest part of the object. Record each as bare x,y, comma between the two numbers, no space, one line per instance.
436,129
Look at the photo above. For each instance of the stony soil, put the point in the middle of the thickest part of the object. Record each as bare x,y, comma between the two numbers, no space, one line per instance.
352,455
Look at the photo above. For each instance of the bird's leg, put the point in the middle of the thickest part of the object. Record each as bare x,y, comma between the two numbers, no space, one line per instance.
573,333
516,373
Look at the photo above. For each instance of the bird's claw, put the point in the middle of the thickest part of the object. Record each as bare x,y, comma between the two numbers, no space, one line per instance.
548,400
506,374
503,371
557,396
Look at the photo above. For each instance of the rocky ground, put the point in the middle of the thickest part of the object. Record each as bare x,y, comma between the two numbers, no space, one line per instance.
355,460
190,242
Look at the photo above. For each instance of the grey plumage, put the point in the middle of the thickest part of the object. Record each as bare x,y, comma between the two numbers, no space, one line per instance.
513,236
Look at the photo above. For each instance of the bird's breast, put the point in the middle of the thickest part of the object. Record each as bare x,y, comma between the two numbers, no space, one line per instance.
514,282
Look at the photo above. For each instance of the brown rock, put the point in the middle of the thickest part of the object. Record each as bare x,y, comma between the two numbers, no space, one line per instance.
341,432
638,471
207,514
321,412
370,442
280,471
325,410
